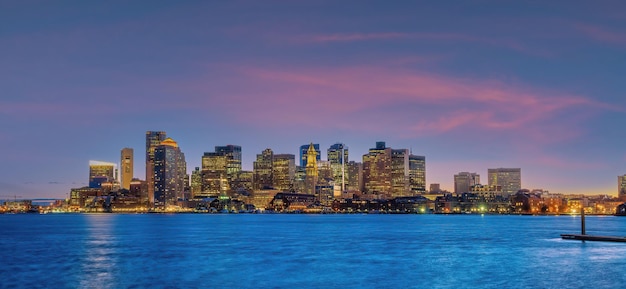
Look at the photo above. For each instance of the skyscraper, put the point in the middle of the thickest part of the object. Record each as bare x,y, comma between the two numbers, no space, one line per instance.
100,172
214,177
153,139
463,181
233,159
303,153
263,178
417,174
354,180
126,163
377,170
338,158
399,173
621,186
170,171
509,179
283,171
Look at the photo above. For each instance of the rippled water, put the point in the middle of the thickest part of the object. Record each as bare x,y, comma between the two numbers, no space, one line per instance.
307,251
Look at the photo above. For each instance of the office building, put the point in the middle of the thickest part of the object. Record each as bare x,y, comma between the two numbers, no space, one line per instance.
170,170
262,170
621,186
354,180
126,170
304,149
101,172
377,170
153,139
283,171
338,159
463,181
509,179
417,174
399,173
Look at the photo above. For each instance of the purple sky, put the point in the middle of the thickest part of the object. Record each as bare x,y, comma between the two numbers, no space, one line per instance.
471,85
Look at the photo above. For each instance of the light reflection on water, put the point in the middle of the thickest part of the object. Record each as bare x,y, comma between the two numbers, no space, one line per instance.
307,251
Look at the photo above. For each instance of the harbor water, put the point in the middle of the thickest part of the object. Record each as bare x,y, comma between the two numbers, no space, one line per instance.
307,251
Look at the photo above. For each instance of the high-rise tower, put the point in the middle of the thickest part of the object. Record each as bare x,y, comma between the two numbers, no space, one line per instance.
153,139
509,179
338,158
304,151
621,186
126,163
170,170
417,174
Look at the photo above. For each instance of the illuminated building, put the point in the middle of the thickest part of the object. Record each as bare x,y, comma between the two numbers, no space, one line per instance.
263,178
214,177
304,149
299,179
169,173
283,171
417,174
244,181
354,180
311,169
399,173
509,179
100,172
463,181
126,163
621,186
153,139
338,158
196,183
233,159
377,170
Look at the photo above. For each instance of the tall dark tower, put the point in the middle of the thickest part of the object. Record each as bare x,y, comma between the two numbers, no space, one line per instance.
311,169
153,139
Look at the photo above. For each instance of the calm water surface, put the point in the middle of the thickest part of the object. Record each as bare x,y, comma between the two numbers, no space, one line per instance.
307,251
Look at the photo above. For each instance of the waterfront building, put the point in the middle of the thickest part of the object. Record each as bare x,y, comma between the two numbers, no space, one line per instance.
417,174
153,139
338,158
283,171
169,173
509,179
311,169
83,197
463,181
263,176
139,189
101,172
354,180
304,149
126,170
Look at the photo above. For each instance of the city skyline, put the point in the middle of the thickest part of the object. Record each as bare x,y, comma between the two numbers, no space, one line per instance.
469,85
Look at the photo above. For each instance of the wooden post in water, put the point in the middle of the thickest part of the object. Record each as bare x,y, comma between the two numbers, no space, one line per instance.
582,221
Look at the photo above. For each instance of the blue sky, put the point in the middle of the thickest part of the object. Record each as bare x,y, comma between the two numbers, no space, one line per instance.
471,85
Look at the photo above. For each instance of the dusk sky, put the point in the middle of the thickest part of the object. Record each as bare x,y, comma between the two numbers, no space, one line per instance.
471,85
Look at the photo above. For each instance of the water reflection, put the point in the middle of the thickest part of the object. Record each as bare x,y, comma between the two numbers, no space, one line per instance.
100,256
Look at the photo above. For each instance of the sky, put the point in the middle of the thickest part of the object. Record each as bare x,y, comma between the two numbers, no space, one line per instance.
470,85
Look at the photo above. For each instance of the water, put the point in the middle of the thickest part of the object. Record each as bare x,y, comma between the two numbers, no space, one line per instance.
307,251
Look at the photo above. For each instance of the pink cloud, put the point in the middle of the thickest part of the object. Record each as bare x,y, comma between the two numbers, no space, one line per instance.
602,34
393,101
